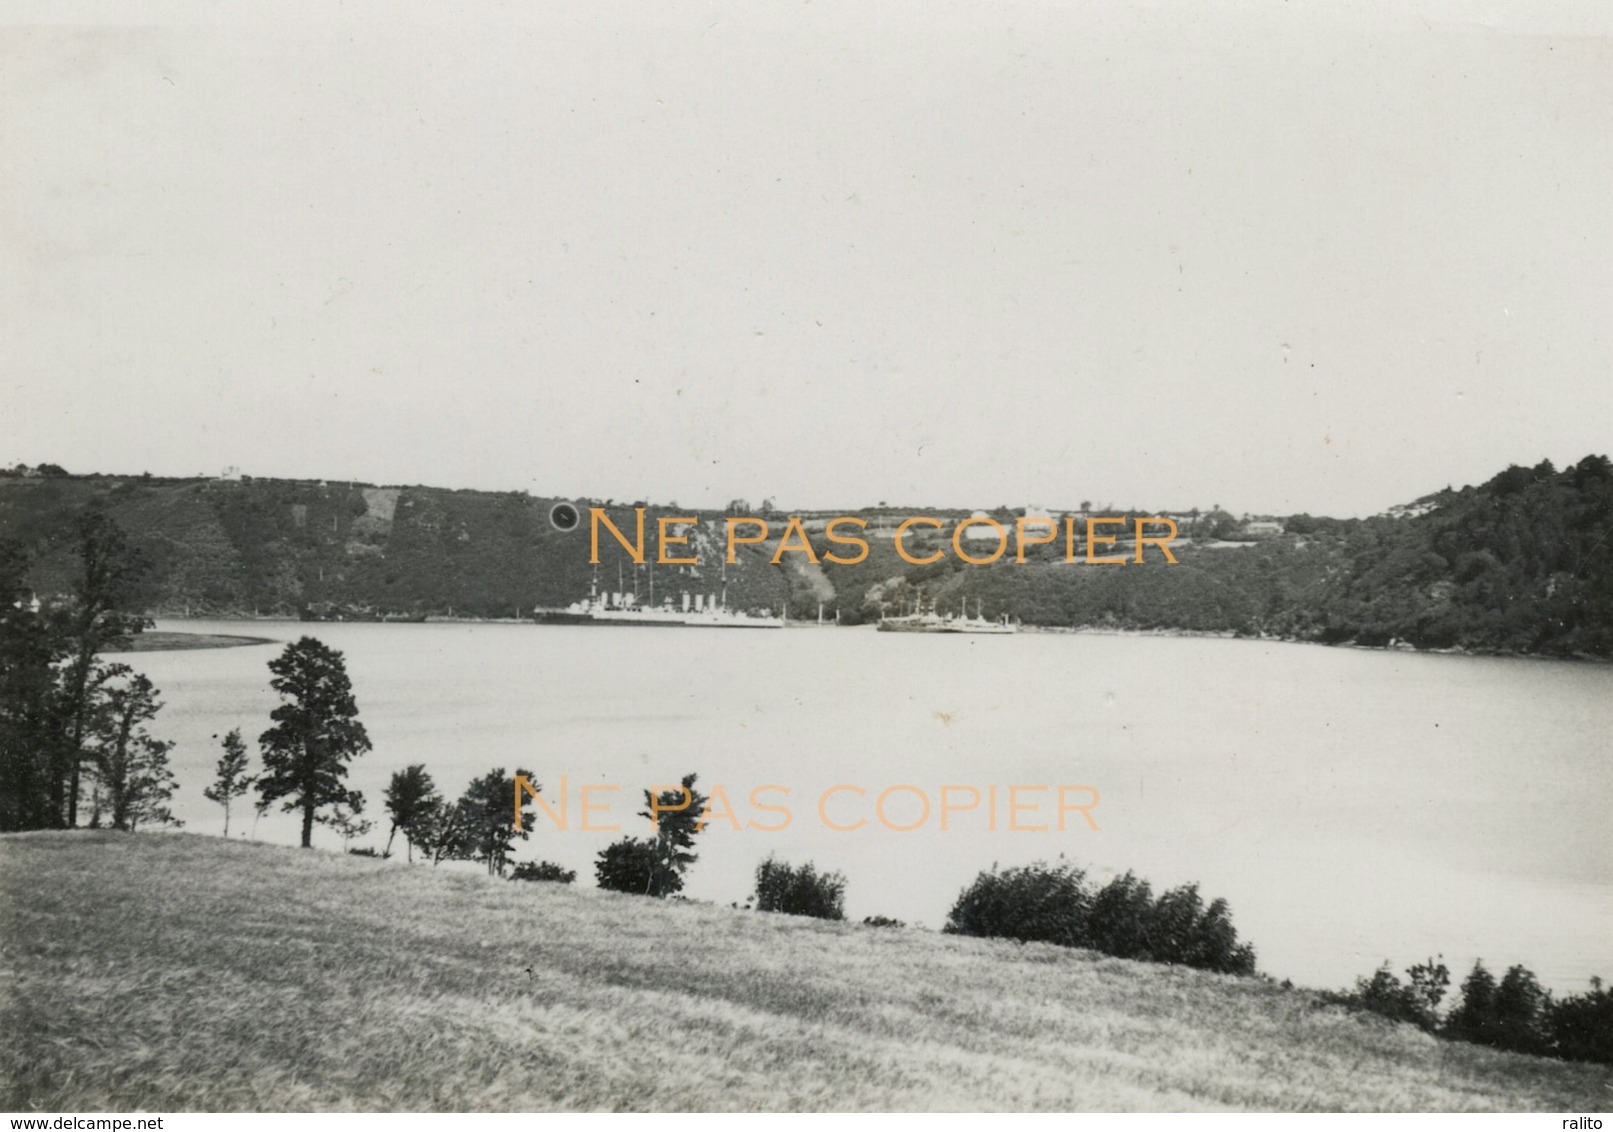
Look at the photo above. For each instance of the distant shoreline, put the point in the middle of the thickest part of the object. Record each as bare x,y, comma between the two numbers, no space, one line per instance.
1230,635
165,640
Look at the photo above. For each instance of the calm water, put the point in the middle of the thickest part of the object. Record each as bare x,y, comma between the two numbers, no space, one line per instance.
1353,806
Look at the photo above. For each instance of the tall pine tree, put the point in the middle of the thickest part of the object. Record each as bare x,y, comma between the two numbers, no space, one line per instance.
315,735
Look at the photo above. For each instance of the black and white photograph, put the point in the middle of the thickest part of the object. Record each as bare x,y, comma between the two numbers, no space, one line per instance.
881,556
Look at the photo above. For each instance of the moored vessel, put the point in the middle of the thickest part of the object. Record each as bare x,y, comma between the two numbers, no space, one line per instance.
624,608
929,621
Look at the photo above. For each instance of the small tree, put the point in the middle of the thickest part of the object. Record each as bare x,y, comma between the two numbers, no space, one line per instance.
676,815
635,865
316,733
654,866
1427,984
1416,1001
442,831
231,779
344,818
488,813
410,793
801,891
131,767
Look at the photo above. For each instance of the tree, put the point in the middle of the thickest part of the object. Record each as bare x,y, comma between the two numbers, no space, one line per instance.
130,766
30,735
1416,1001
232,779
259,808
344,818
47,669
489,817
1521,1008
95,616
799,891
677,816
442,831
1426,986
409,796
1474,1020
316,733
1581,1025
654,866
632,864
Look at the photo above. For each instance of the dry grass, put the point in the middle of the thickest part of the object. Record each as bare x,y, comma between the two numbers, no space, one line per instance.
188,973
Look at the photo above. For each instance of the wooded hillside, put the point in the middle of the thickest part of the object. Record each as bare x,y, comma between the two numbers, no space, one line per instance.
1522,563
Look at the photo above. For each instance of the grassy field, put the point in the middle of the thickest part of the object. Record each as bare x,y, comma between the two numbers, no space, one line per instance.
188,973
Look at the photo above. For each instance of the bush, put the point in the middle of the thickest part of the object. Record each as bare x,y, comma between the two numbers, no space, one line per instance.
1050,903
882,922
1181,930
801,891
636,866
654,866
1581,1025
1039,902
1122,918
1416,1002
543,870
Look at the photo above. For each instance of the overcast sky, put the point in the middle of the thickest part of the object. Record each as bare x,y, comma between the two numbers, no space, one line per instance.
1276,256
